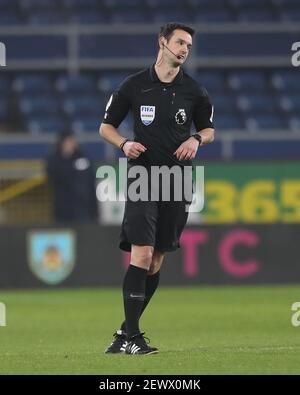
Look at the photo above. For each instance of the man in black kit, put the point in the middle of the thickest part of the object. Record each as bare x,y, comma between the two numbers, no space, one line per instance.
164,101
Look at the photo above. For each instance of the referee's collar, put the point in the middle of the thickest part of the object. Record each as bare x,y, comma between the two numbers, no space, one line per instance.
178,80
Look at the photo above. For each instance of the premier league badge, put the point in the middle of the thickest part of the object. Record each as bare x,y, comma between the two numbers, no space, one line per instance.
180,116
147,114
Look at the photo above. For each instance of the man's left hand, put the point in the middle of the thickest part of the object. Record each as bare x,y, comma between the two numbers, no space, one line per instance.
187,150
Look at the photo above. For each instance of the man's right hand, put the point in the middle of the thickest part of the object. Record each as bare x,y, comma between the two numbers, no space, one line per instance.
133,150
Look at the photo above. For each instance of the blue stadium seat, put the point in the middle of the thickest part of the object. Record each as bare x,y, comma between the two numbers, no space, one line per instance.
264,122
290,103
75,84
48,100
32,84
38,4
227,122
256,15
89,17
212,81
250,3
88,105
8,4
88,4
110,45
116,4
247,81
290,15
256,103
4,84
294,123
211,15
184,4
286,3
39,105
33,47
47,18
172,14
130,16
204,4
224,103
45,125
244,44
10,18
109,82
104,96
86,124
287,80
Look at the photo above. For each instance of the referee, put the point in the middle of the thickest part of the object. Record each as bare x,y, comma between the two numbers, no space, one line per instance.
165,103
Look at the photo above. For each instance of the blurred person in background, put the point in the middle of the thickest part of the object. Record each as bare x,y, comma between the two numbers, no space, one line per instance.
72,176
165,101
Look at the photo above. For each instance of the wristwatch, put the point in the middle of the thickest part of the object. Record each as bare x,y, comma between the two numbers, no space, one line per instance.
122,144
198,137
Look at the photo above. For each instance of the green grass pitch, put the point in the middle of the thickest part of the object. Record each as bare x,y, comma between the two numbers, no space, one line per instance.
199,330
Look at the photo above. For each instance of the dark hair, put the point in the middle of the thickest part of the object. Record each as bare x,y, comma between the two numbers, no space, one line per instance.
167,30
63,135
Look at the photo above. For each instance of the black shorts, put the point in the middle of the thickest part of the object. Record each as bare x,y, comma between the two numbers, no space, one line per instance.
153,223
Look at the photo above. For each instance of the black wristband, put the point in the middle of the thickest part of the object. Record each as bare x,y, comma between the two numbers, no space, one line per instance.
198,137
123,143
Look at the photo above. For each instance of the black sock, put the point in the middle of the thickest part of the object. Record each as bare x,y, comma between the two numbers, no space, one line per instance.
151,285
133,295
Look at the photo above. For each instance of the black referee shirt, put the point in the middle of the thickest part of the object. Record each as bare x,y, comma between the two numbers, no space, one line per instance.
163,113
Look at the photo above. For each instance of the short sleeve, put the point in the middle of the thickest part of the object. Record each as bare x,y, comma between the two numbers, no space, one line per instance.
118,105
203,110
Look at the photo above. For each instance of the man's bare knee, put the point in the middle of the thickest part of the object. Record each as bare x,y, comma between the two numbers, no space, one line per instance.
141,256
157,260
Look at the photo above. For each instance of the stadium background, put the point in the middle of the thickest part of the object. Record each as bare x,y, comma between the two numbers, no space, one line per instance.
63,60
